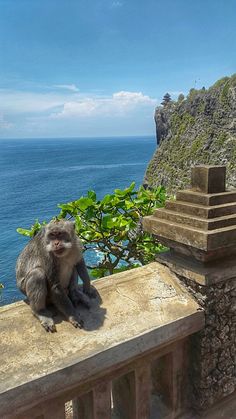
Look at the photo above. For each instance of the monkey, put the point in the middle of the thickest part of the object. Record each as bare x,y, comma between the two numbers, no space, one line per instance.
47,273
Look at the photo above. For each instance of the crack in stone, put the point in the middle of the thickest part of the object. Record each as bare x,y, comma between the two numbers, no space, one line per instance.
126,296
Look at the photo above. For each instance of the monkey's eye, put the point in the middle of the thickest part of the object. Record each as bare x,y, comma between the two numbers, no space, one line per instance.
58,235
53,236
66,238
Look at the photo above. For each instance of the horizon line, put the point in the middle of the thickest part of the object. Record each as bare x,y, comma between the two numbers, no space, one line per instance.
80,138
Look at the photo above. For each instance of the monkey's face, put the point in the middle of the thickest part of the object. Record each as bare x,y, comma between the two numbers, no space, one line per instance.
58,241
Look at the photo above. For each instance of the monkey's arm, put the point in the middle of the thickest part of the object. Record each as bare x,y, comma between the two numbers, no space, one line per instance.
36,291
84,275
75,292
64,305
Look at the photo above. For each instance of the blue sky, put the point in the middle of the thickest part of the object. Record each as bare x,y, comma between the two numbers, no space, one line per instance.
99,67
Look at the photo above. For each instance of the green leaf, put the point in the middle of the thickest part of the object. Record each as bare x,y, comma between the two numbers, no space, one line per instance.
78,223
119,192
122,222
90,213
131,187
107,199
92,195
24,232
109,221
84,203
98,272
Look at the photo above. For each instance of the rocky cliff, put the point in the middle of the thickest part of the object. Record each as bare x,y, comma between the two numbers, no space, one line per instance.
198,129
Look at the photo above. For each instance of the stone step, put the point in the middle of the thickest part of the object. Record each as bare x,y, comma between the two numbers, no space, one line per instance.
200,239
200,198
205,274
196,222
201,210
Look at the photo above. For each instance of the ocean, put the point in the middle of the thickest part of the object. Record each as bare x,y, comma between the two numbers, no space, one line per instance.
38,174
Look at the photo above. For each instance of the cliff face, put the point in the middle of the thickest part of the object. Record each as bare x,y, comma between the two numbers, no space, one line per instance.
200,129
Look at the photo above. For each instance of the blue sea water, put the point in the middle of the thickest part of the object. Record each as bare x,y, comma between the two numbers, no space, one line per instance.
36,175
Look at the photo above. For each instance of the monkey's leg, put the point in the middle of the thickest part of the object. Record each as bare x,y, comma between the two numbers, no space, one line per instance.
36,291
65,306
84,275
75,294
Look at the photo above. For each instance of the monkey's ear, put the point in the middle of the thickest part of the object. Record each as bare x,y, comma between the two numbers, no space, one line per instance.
73,224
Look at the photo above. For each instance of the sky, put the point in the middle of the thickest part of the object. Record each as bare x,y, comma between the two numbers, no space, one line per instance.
78,68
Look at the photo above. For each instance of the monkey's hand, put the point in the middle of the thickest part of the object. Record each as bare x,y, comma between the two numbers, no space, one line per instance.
77,297
76,322
91,292
84,275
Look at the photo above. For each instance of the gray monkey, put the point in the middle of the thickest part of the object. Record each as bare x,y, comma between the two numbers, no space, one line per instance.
47,272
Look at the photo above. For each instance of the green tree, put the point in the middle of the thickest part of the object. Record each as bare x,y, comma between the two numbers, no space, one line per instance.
112,227
180,97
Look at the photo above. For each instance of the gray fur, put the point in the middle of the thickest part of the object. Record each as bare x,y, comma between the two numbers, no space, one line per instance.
47,272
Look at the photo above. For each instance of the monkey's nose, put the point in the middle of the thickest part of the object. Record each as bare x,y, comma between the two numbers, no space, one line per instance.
56,244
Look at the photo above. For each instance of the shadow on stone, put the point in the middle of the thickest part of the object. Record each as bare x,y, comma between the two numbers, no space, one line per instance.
92,317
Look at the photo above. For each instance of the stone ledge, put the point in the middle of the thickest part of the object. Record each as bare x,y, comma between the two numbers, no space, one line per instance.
198,210
142,310
204,274
196,222
209,240
195,197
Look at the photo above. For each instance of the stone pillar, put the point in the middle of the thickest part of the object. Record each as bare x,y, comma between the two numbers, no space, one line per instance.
200,230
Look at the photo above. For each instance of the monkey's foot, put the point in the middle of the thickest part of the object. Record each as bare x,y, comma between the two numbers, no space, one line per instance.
49,326
46,320
78,323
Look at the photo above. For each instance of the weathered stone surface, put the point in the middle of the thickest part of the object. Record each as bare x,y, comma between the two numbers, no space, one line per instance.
141,310
214,349
208,179
194,237
200,198
205,274
201,210
196,222
176,232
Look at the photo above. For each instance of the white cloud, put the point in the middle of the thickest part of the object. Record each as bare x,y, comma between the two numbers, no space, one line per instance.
69,104
63,113
19,102
71,87
72,109
116,4
132,97
119,103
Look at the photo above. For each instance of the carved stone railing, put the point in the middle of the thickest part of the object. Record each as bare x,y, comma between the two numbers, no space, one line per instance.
130,361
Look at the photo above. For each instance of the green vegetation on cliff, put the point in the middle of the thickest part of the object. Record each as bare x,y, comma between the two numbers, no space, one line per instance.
198,129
